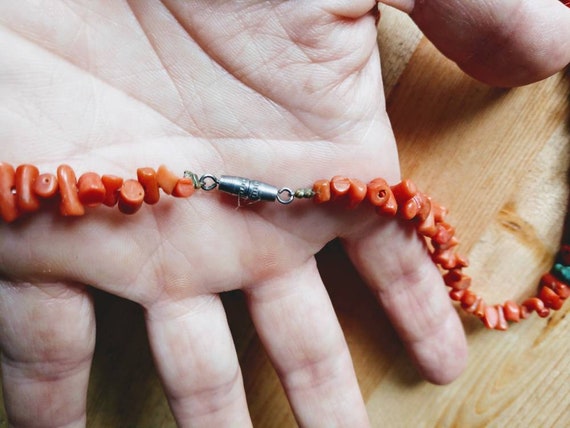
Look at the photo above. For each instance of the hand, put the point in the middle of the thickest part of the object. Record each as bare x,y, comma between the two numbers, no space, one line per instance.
275,91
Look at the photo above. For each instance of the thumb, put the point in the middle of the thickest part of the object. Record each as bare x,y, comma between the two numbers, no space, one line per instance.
500,42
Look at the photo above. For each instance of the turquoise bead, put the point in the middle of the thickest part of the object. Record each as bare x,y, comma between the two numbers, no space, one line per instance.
563,272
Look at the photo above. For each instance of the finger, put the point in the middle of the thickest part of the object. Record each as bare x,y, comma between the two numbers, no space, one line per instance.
352,9
500,42
47,337
409,286
296,322
197,362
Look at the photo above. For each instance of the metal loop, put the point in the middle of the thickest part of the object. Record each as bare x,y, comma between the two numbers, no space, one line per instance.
204,182
195,179
290,196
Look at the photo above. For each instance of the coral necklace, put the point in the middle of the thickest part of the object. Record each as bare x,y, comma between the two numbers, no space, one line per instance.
24,190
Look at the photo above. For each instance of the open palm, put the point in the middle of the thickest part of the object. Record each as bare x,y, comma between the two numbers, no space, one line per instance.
286,92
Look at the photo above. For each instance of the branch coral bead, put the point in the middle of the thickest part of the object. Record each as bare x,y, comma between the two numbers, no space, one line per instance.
382,197
322,190
45,185
339,187
8,205
70,204
512,311
147,179
131,197
25,177
90,189
184,188
166,179
356,193
112,185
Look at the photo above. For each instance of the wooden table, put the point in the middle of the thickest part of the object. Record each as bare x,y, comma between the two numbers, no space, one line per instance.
499,160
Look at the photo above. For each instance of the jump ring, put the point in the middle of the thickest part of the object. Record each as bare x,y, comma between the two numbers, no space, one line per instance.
207,187
290,196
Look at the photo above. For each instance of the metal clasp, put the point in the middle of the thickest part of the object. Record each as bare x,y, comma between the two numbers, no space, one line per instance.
243,188
254,190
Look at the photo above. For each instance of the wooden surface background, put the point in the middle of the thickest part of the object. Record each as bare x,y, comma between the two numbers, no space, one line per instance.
499,160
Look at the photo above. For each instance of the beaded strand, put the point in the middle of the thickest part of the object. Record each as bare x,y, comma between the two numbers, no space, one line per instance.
408,203
24,190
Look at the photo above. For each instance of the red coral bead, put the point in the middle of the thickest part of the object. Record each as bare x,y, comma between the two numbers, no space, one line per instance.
424,206
444,234
322,189
131,197
184,188
147,178
381,196
404,191
480,309
491,317
502,323
410,208
427,226
166,179
550,298
25,177
113,186
45,185
534,304
457,280
560,288
90,189
70,204
356,193
456,295
512,311
378,192
339,187
469,299
448,260
8,205
439,212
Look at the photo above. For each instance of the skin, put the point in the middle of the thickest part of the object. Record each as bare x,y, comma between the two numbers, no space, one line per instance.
500,42
287,92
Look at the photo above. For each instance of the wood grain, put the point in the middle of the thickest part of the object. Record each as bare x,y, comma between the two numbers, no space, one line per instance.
499,160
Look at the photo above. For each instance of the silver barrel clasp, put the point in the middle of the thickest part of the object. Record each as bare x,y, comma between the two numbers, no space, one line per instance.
253,190
244,188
